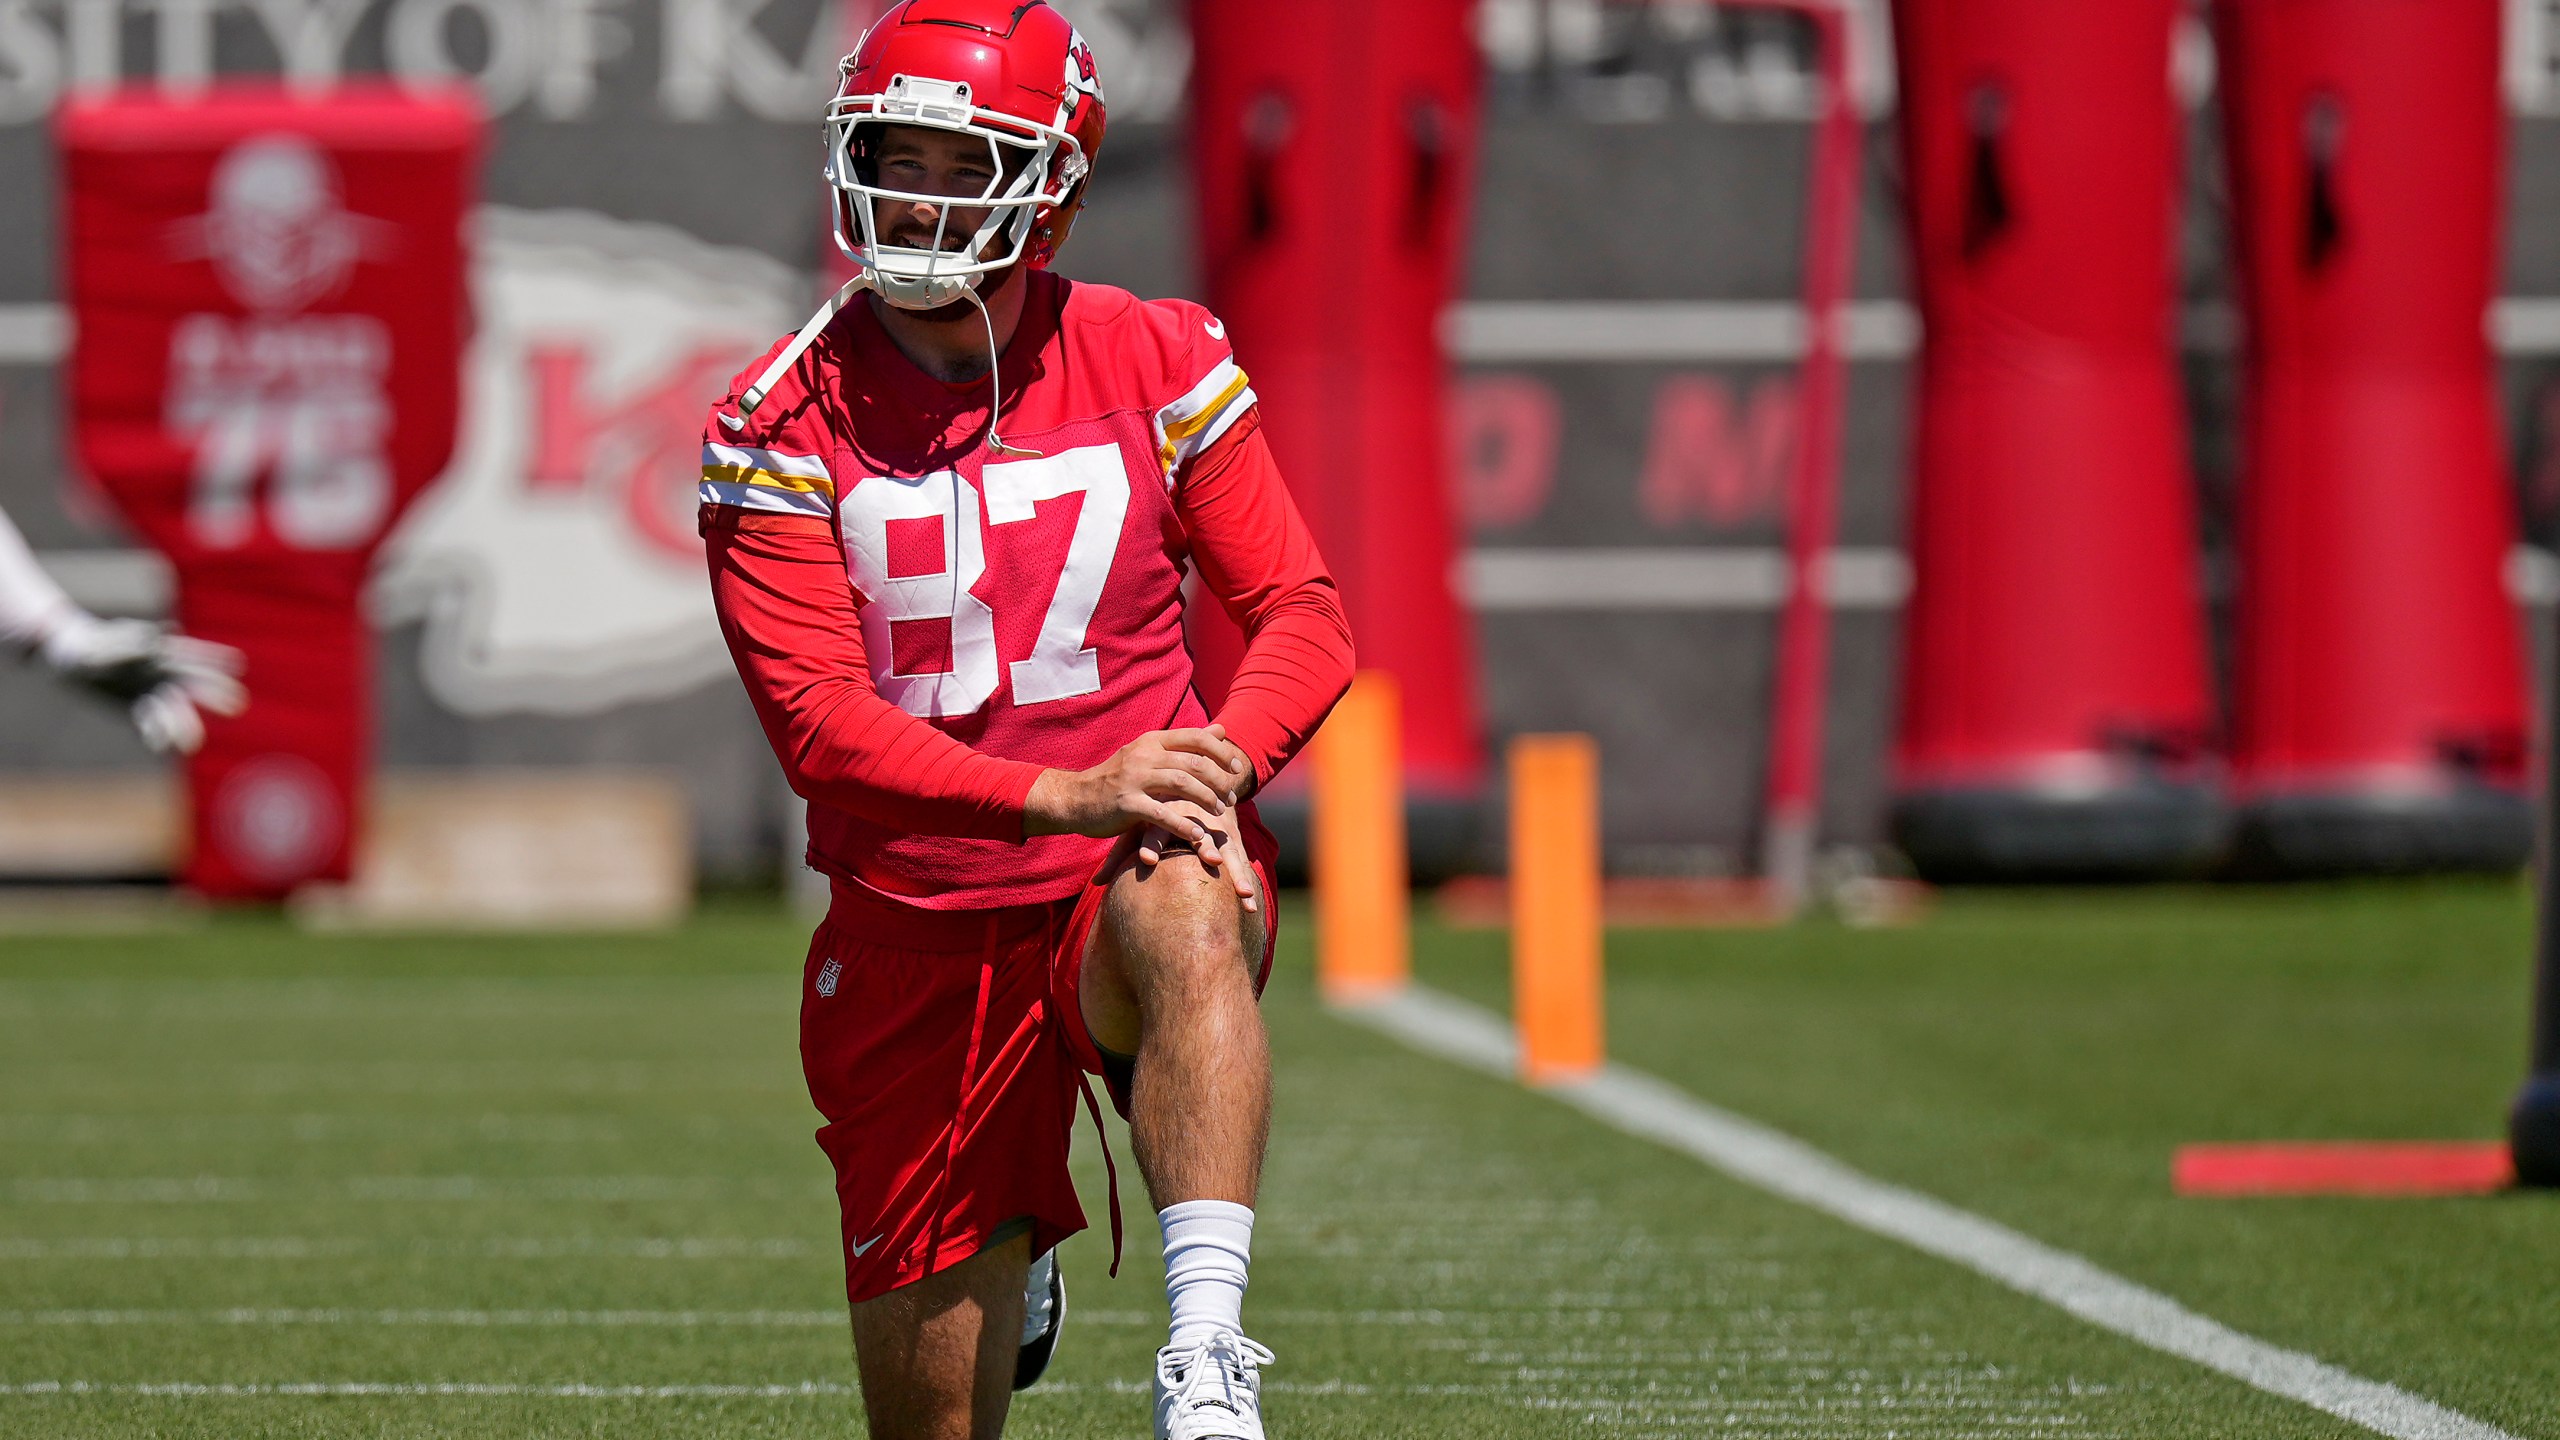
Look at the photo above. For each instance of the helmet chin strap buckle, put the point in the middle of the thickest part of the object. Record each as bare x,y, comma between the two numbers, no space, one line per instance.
754,394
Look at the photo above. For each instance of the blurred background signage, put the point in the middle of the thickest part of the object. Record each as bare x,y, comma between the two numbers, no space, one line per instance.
269,299
1621,426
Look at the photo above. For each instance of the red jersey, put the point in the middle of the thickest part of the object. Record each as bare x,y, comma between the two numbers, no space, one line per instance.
926,624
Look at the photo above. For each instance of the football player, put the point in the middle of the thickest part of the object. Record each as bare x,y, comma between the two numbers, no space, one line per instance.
950,525
162,679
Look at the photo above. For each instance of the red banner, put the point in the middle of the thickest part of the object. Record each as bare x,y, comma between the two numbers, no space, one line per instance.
270,300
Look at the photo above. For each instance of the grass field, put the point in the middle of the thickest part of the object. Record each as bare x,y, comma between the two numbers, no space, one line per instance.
254,1182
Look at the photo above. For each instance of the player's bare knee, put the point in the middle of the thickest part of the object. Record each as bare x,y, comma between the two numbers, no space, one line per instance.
1180,925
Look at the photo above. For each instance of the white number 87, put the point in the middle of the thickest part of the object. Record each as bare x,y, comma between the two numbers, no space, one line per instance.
1060,664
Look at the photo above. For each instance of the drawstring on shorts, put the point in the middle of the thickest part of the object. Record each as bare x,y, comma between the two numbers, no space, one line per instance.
1110,1171
1084,1087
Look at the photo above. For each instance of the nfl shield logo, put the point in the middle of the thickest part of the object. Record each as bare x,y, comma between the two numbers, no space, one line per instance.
827,974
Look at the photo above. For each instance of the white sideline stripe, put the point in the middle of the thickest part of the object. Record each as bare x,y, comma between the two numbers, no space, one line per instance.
443,1319
1746,1150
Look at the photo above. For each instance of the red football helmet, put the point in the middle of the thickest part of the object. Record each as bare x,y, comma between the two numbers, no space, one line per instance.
1013,73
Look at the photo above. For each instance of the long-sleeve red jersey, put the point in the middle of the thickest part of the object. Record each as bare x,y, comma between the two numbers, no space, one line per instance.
924,627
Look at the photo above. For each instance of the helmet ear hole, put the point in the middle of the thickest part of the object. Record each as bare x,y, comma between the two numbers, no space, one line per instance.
1051,235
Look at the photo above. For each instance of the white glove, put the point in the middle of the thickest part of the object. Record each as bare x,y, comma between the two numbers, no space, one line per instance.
163,678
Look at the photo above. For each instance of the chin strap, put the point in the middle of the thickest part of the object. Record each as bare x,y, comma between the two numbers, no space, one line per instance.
754,395
995,382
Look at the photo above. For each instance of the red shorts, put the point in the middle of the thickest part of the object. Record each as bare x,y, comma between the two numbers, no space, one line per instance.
944,1049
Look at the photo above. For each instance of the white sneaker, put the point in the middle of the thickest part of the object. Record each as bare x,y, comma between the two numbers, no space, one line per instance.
1044,1314
1210,1389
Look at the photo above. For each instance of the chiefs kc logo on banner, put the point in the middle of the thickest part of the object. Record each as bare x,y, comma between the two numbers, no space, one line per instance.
269,295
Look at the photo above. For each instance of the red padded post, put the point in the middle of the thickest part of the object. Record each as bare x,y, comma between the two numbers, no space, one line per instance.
2055,697
1332,145
2380,716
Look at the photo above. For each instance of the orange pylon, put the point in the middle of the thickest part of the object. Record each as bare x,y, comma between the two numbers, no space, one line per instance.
1555,905
1364,940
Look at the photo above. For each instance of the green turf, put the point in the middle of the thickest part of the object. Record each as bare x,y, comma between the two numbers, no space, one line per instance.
2038,1057
243,1157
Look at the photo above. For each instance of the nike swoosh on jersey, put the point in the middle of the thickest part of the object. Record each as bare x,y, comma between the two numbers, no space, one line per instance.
863,1247
1217,328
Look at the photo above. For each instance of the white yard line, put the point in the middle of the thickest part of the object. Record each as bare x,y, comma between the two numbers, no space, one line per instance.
422,1189
349,1316
445,1319
300,1247
401,1389
194,1390
1643,1106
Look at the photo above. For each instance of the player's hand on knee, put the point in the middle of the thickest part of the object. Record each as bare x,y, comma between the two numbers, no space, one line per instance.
1142,785
1225,858
1212,743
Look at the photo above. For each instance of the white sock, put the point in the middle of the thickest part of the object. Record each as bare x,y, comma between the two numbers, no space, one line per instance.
1207,1244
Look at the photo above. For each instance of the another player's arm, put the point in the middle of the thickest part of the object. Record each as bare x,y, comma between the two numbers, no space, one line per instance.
162,678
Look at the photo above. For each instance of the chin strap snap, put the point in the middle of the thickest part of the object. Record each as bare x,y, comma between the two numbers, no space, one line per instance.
754,395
